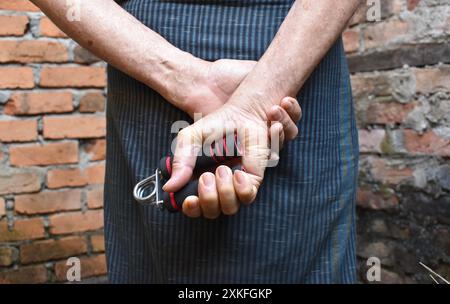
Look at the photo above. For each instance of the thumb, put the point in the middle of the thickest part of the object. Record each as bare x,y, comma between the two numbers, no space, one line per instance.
188,145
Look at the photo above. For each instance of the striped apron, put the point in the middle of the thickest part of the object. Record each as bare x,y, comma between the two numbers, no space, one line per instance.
301,228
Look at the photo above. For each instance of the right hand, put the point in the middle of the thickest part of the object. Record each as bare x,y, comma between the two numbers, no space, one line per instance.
234,188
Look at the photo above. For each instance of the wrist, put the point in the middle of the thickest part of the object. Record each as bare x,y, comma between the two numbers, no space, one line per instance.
183,76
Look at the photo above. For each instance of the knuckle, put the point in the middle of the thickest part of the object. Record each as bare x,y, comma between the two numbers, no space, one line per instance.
208,202
176,164
225,190
184,133
246,197
228,203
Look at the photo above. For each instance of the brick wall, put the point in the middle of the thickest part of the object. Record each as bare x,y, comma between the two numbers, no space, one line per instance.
52,150
52,146
401,84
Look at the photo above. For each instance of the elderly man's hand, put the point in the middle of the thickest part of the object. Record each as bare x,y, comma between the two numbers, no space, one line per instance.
223,191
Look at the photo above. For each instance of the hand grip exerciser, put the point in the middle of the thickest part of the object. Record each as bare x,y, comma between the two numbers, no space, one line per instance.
149,190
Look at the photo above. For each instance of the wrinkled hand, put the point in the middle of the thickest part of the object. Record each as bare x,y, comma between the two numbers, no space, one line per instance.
224,191
209,85
212,84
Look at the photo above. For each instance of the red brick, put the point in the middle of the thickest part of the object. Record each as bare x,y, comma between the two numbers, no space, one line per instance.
427,143
76,222
382,171
379,84
18,130
429,80
59,178
2,207
24,275
98,243
77,77
90,267
52,249
351,40
96,149
49,29
75,177
411,4
42,155
92,102
388,112
16,78
96,173
19,182
7,256
87,126
383,33
47,202
24,229
13,25
31,103
376,201
95,198
29,51
391,7
18,5
370,141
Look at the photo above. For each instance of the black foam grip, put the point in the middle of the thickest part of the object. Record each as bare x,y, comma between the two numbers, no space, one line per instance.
220,151
165,166
174,202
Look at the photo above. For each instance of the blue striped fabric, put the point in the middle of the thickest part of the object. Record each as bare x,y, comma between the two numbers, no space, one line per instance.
301,229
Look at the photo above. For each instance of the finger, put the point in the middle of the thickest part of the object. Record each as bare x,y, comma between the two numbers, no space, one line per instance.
191,207
227,197
254,140
277,132
189,143
292,107
245,190
276,143
208,197
277,113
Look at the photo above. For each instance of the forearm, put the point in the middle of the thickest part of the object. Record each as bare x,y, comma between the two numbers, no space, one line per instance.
115,36
305,36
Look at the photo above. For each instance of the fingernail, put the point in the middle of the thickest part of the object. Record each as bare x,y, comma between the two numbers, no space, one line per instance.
223,172
240,178
208,180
